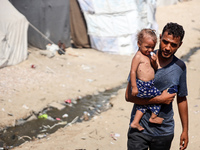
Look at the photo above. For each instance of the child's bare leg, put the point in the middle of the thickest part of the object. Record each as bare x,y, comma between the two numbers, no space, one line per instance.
155,119
135,123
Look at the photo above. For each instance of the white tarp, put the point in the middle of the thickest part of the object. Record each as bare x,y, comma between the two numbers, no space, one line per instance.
166,2
13,35
113,25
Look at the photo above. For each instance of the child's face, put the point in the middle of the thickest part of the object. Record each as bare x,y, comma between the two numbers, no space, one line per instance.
146,45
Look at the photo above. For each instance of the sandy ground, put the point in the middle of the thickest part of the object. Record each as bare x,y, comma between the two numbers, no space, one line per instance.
25,90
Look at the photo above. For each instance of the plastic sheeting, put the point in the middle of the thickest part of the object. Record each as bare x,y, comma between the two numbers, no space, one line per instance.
13,35
113,25
51,17
166,2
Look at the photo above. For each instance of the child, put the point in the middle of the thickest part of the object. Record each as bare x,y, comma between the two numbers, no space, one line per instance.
142,76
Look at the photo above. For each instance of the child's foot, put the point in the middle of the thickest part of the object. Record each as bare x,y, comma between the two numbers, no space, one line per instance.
137,126
156,120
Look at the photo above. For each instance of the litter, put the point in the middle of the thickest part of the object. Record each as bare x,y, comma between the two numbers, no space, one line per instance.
68,101
58,119
45,116
85,67
72,122
22,137
51,127
33,66
85,116
39,136
52,47
90,80
26,107
114,136
65,116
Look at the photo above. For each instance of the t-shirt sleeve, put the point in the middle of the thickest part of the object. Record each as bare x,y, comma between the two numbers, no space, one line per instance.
183,85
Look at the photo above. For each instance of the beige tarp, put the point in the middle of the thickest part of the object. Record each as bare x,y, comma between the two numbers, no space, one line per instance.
13,35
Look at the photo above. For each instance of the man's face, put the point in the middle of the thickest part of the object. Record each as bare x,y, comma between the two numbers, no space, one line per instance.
169,45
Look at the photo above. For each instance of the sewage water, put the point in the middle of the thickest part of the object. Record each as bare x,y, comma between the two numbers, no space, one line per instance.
88,106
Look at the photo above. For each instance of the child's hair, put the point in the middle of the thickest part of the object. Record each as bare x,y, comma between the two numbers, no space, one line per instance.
145,32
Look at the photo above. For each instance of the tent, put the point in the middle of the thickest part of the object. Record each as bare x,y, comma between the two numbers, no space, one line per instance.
113,25
50,17
168,2
78,26
13,35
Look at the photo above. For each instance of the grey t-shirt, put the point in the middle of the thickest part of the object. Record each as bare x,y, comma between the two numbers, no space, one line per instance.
166,77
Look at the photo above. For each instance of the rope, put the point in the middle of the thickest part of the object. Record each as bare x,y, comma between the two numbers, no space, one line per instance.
47,40
44,36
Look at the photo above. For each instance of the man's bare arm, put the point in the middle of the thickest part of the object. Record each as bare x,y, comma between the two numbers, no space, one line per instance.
183,112
164,98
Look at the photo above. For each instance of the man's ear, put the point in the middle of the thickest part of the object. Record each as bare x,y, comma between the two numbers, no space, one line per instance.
180,43
160,36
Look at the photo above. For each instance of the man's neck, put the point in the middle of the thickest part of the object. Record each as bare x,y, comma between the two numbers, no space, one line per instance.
162,62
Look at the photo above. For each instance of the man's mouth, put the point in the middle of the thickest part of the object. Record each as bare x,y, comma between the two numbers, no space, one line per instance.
166,53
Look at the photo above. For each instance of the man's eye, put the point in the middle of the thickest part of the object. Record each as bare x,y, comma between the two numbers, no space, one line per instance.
165,42
173,45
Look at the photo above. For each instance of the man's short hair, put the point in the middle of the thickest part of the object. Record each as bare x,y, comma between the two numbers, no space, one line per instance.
174,29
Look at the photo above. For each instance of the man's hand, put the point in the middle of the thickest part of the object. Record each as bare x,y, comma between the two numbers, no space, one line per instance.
183,112
166,98
134,91
183,141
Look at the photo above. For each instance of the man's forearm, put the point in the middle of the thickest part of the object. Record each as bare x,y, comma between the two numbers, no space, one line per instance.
139,101
183,112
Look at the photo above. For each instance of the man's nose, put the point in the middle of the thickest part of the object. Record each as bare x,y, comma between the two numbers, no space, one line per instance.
168,47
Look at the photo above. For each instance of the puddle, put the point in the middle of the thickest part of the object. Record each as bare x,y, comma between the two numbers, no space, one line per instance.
87,106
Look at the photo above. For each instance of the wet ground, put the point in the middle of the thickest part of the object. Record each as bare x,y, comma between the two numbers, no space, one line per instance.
51,119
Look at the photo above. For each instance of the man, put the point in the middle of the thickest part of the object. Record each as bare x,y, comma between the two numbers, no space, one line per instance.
171,71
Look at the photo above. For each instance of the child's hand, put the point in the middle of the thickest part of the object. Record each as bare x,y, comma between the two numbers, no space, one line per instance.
153,56
134,91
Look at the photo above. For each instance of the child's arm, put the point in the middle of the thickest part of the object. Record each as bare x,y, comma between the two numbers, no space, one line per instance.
153,61
133,74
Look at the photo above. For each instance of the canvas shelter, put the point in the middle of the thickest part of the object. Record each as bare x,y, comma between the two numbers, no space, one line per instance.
50,17
78,26
113,25
13,35
168,2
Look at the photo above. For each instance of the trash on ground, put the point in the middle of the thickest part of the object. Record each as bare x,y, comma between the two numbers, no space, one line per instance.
68,101
40,136
114,136
33,66
45,116
58,119
24,137
85,116
65,116
26,107
59,123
